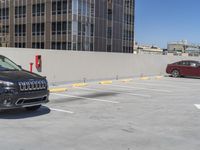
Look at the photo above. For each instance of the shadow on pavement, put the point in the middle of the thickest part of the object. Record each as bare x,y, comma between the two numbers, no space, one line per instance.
22,113
91,95
183,77
191,77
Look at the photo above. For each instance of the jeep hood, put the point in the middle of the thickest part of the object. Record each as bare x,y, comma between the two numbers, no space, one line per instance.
18,75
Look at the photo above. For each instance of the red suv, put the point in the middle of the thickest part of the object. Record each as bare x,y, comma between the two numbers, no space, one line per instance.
184,68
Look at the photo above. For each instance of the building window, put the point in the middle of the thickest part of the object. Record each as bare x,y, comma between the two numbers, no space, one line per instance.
60,45
4,29
128,19
56,45
74,46
38,45
92,30
109,14
82,7
127,49
75,7
83,28
20,45
69,46
53,45
91,46
109,47
38,29
60,6
64,46
59,27
20,30
54,28
109,32
20,11
69,27
4,13
38,9
79,28
92,9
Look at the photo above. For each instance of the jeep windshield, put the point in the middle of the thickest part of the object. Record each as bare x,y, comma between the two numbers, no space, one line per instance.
7,65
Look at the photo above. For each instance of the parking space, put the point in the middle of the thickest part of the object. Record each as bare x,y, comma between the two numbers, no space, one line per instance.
139,114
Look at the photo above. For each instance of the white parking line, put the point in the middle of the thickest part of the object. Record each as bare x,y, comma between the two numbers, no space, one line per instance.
153,84
92,99
106,90
61,110
141,88
197,106
181,81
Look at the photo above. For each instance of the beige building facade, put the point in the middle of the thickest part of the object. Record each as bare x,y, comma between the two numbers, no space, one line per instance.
79,25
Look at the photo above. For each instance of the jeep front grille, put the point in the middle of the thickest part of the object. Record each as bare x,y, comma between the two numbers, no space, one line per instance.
25,86
28,101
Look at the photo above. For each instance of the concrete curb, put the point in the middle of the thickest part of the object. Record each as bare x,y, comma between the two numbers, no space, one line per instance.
79,84
159,77
126,80
57,90
106,82
145,78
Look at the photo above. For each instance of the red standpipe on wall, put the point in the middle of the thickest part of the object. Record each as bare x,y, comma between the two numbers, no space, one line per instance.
31,67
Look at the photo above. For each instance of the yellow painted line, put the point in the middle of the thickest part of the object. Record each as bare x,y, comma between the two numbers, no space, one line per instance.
57,90
106,82
144,78
159,77
79,84
126,80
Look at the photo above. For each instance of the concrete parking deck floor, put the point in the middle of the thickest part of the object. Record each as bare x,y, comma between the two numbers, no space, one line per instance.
150,114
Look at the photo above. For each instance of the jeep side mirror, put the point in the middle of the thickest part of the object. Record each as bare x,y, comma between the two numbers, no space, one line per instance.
20,66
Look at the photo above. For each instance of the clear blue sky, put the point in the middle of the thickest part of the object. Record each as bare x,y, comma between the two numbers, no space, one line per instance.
160,21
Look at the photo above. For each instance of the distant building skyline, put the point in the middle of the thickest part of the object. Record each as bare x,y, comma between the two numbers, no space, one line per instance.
182,46
158,23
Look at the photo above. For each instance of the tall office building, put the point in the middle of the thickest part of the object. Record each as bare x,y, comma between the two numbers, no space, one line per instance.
80,25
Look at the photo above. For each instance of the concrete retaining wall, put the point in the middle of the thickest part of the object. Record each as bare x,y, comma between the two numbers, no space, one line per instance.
68,66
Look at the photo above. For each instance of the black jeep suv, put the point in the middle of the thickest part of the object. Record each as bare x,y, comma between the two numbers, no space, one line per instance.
20,88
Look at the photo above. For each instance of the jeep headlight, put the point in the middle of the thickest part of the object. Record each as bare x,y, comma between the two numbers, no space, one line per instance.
6,83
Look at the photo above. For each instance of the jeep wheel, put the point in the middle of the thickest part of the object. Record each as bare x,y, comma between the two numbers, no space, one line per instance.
175,73
33,108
